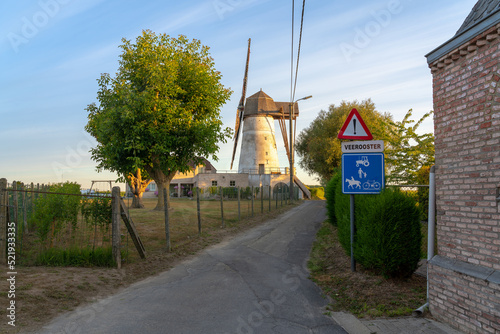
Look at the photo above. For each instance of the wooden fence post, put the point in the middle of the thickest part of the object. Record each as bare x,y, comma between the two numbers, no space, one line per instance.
222,207
281,195
31,197
167,220
276,200
3,220
252,199
115,227
198,209
261,199
15,203
239,204
269,198
25,209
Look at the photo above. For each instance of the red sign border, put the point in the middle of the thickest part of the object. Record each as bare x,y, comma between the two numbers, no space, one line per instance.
353,112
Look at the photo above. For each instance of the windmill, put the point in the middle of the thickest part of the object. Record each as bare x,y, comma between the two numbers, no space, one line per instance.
256,114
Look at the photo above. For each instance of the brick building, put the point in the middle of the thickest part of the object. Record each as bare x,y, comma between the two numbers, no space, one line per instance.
464,278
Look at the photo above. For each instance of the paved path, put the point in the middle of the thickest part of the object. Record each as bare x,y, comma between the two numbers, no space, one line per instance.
255,283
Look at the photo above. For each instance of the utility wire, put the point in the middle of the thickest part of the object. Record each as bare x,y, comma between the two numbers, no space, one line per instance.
298,49
291,61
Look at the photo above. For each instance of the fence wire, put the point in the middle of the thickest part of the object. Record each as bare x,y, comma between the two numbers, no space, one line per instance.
59,228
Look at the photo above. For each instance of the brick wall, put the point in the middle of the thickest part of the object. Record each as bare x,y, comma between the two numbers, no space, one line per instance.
466,302
466,89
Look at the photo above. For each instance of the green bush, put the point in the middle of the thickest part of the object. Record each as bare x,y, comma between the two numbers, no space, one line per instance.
317,192
330,199
388,235
53,212
230,192
343,216
97,212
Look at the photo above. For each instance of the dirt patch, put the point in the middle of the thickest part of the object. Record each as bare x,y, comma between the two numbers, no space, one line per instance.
362,293
43,293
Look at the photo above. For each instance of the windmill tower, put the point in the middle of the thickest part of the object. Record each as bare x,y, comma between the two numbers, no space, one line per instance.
259,153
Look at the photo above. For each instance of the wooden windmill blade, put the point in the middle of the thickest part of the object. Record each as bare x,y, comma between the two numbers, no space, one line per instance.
281,122
241,106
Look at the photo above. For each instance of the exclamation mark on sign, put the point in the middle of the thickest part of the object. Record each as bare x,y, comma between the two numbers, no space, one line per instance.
354,123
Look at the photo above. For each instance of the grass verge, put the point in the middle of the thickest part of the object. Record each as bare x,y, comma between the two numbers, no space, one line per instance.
362,293
76,257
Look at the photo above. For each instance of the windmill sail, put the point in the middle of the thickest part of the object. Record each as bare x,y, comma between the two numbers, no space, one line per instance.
241,106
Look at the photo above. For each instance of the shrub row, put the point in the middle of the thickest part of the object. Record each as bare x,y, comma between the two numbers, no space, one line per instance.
387,237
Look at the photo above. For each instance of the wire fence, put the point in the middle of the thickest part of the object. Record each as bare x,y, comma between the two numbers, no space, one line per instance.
241,202
57,225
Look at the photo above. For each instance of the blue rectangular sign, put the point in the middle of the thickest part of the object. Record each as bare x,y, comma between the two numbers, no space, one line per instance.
363,173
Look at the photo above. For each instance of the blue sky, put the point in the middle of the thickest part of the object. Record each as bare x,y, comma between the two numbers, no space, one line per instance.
53,51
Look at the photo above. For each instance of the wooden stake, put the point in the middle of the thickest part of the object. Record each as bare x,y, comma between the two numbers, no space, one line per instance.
198,209
115,227
222,208
3,220
167,221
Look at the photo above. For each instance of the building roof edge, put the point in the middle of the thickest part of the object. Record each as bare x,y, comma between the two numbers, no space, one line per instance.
462,38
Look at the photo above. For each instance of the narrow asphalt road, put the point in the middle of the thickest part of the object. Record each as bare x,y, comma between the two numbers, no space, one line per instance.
256,282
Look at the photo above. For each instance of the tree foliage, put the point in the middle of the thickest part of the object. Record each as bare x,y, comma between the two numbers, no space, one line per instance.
407,152
161,111
318,146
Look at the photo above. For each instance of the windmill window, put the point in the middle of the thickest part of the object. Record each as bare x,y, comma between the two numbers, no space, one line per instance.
214,183
265,138
267,153
232,183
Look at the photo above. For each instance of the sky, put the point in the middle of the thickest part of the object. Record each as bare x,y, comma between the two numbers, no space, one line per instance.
53,51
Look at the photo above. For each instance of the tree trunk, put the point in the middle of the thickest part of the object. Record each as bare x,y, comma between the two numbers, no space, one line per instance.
137,201
160,206
163,182
137,187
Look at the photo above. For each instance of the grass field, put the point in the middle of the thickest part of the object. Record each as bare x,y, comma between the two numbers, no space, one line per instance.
183,218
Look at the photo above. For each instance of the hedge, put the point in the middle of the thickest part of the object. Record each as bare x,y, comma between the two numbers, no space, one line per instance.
388,236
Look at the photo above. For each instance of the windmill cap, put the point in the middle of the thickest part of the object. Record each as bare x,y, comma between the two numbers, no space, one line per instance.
262,104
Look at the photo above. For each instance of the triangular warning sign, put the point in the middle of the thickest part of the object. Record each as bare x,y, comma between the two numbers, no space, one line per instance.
354,128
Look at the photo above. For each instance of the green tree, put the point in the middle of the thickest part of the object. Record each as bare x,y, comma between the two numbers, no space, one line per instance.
113,153
406,151
318,146
161,111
